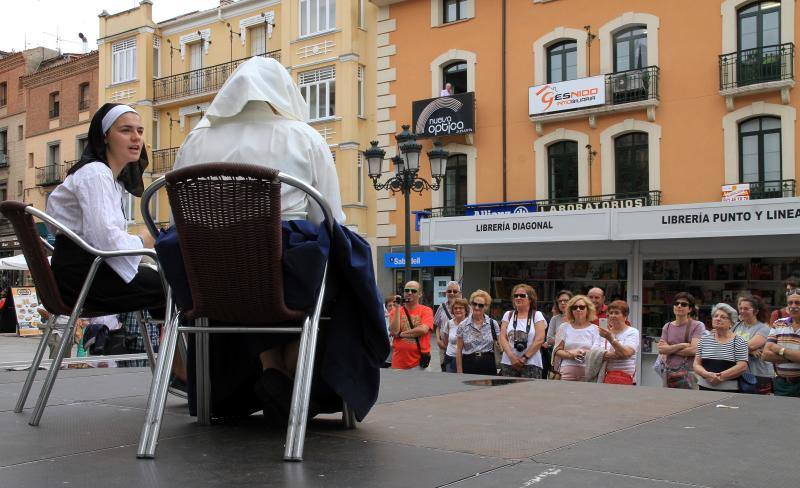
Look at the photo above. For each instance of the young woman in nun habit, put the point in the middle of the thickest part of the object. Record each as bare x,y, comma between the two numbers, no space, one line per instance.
260,117
89,202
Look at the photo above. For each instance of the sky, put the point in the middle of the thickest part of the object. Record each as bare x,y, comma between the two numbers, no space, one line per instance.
56,23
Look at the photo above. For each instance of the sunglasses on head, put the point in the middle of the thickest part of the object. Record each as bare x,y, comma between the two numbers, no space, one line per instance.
478,305
793,291
520,295
578,307
452,292
411,290
681,304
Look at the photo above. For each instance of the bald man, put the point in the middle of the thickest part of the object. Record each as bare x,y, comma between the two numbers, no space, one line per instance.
410,323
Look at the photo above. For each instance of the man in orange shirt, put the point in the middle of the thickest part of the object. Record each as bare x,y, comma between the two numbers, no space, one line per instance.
410,323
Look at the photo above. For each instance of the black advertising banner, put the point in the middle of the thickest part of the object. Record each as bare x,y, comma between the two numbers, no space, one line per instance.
444,116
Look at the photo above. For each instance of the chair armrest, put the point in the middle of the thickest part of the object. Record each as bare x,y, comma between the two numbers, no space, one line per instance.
313,193
82,243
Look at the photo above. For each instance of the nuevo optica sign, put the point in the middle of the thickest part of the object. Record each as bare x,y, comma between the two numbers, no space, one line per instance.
444,116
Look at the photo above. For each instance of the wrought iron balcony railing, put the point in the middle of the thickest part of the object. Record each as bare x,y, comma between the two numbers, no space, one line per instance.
772,189
759,65
632,85
3,160
163,159
198,81
53,174
615,200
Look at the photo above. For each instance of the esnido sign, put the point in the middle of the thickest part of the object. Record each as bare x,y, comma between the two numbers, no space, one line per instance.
567,95
444,116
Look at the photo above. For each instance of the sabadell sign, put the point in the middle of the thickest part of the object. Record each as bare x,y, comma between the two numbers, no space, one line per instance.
444,116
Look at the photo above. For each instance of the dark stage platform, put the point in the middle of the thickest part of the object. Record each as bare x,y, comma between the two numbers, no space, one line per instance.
429,429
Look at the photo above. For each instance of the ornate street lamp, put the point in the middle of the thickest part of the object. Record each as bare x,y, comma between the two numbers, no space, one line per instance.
405,180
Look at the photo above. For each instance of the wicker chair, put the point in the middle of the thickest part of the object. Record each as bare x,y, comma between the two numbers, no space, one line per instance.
228,217
33,247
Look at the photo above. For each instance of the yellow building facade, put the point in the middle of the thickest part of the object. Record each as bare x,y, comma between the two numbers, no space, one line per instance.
171,70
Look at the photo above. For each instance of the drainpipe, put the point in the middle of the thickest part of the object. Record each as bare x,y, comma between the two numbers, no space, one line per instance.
503,88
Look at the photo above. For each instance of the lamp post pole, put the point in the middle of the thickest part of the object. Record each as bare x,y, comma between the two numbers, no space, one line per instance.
406,179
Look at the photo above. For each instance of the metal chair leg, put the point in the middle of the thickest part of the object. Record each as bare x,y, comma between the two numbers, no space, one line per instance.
203,374
148,345
301,393
37,360
158,391
69,331
348,417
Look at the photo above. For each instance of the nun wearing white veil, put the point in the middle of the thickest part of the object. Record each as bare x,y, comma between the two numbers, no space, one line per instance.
259,117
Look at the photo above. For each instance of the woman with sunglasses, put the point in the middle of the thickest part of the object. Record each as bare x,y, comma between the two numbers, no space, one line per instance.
722,356
558,318
751,328
679,339
575,337
440,319
522,334
783,349
449,330
474,338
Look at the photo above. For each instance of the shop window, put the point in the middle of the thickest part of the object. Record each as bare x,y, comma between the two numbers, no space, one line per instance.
456,75
760,152
83,97
317,16
562,162
562,61
455,182
318,88
631,153
54,105
758,42
454,10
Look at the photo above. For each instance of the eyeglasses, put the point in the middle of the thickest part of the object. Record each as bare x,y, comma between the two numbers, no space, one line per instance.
453,292
478,305
411,290
578,307
681,304
520,295
564,300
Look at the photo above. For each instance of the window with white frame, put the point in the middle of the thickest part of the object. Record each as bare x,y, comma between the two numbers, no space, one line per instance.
360,176
123,61
156,57
361,95
318,87
317,16
258,39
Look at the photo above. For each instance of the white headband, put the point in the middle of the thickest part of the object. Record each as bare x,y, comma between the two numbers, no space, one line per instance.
113,115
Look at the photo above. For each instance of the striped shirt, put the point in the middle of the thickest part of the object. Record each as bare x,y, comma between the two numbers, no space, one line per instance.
716,357
784,335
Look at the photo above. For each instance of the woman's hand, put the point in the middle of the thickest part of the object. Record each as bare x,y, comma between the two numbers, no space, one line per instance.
147,240
605,333
714,378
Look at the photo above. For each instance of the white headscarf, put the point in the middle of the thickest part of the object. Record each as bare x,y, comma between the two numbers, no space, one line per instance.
257,79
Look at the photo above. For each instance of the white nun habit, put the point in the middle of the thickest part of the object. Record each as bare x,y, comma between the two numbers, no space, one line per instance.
239,127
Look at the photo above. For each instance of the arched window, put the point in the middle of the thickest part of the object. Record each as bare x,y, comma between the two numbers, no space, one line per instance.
456,74
562,61
759,38
760,151
630,49
562,168
455,182
631,158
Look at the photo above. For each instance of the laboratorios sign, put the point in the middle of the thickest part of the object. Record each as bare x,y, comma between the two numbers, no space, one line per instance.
518,227
444,116
566,95
756,217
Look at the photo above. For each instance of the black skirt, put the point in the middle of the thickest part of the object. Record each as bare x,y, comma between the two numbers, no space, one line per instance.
109,292
479,363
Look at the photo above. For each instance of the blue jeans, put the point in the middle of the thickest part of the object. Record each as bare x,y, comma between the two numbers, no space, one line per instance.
449,364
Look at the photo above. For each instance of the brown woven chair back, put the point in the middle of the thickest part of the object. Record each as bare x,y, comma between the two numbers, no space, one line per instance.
228,218
36,256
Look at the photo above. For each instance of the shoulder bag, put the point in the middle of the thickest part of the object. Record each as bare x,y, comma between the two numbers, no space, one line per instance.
681,376
498,351
424,357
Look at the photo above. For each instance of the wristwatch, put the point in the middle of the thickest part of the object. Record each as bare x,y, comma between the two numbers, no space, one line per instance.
781,352
526,357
